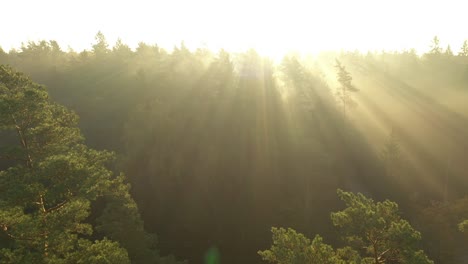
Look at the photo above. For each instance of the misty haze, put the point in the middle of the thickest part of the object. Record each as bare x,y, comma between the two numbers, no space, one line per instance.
330,132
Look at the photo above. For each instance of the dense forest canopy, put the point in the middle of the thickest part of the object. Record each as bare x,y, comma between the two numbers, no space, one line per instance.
218,147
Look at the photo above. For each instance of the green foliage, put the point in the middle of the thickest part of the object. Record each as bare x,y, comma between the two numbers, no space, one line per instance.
374,231
290,247
45,196
204,135
99,252
378,229
120,221
463,226
350,256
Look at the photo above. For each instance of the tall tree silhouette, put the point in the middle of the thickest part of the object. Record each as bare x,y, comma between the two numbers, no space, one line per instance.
346,87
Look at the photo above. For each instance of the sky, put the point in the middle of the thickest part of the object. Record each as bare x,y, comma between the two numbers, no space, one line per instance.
269,26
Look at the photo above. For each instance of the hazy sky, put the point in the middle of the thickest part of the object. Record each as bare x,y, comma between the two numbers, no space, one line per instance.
271,26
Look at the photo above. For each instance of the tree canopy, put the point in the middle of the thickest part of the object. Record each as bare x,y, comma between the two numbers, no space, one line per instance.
220,146
46,193
377,230
374,233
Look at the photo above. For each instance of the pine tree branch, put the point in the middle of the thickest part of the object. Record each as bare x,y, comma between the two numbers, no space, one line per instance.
57,207
4,227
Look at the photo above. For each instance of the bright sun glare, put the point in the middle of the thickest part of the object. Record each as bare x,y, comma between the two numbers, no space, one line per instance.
271,27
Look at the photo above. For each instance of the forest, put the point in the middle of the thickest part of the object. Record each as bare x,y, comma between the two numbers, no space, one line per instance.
149,155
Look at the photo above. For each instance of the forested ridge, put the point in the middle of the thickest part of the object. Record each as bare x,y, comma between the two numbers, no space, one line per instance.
218,147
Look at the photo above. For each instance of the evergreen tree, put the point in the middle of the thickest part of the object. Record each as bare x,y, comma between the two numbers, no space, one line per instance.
46,193
435,46
464,49
378,229
346,87
101,46
375,233
121,50
290,247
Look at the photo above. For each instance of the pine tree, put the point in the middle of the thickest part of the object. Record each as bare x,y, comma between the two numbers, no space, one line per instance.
376,229
435,46
292,247
346,87
46,193
101,46
464,49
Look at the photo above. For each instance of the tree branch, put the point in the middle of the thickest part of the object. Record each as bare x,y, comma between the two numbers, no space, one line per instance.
56,207
4,227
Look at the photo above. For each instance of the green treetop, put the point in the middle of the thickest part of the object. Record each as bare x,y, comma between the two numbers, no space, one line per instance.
45,194
345,89
290,247
378,230
375,234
